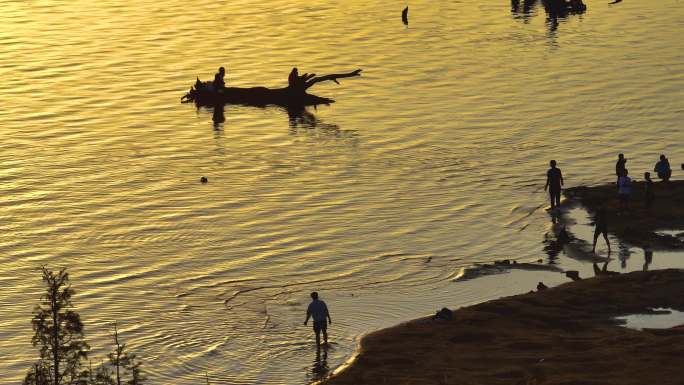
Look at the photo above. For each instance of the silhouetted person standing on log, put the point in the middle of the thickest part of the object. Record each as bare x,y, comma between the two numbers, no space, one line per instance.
620,167
554,182
219,83
601,223
321,317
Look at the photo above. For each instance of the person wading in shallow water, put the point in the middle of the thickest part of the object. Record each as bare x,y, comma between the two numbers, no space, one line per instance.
554,181
321,317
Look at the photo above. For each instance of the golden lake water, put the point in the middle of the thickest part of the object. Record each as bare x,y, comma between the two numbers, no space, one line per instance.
433,160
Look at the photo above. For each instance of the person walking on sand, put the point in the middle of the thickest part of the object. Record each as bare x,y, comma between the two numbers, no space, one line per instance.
620,167
554,182
321,317
663,169
601,223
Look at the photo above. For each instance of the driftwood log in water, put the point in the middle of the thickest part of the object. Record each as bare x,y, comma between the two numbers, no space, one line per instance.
294,95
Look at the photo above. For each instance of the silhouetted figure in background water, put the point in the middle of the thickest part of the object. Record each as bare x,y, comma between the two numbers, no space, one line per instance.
663,169
404,16
624,191
648,190
601,227
554,182
318,310
219,83
620,167
615,2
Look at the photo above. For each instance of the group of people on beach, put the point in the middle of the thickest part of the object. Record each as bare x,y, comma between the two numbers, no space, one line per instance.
624,182
554,184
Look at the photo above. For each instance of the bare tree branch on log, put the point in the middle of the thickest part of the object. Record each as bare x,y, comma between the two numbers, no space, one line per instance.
311,79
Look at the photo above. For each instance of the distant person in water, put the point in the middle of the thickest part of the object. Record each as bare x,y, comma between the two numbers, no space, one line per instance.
620,167
648,189
219,83
554,182
601,227
624,190
321,317
663,169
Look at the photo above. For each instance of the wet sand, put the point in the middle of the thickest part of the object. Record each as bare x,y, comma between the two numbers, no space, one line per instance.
638,225
562,335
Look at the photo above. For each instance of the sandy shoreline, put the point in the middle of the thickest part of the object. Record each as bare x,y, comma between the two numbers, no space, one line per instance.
563,335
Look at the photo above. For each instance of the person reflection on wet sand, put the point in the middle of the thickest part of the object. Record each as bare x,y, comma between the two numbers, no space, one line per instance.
604,270
648,257
320,368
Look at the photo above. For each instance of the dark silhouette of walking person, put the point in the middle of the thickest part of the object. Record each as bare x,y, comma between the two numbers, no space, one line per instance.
554,182
601,227
663,169
219,83
620,167
321,317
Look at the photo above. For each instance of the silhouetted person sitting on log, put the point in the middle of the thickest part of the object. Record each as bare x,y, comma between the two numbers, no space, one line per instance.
293,78
219,84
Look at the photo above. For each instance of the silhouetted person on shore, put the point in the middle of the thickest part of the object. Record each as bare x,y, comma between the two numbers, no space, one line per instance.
624,190
321,317
620,167
219,83
554,182
663,169
648,189
601,227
